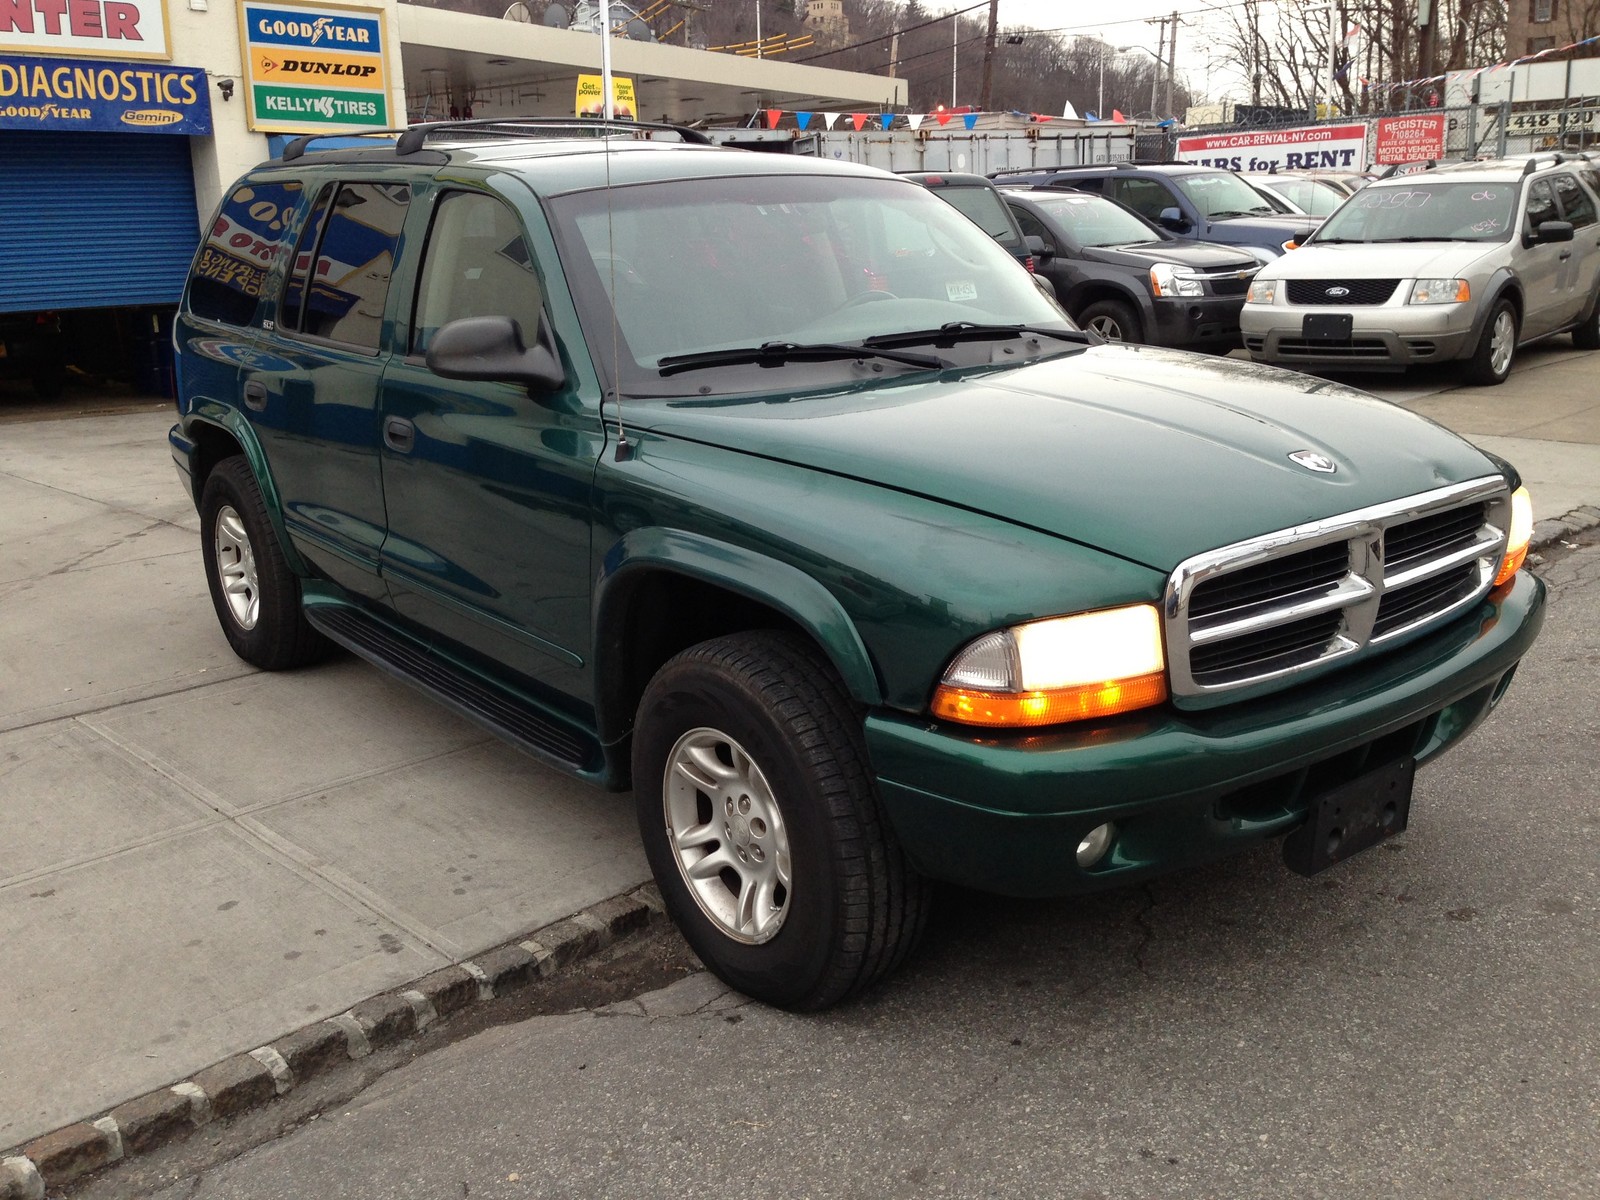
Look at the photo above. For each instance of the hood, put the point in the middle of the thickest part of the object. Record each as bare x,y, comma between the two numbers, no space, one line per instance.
1267,223
1202,256
1385,260
1150,454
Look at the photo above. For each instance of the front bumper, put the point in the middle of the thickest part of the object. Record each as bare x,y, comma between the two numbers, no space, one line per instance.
1204,321
1006,814
1388,336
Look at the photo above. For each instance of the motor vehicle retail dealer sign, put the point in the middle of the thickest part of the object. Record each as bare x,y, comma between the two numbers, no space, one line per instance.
312,69
1339,147
133,29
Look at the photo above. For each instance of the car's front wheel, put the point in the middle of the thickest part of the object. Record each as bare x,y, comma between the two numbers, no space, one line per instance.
1497,345
256,595
1112,320
762,824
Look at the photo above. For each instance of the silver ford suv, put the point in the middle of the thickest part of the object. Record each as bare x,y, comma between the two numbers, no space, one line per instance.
1468,262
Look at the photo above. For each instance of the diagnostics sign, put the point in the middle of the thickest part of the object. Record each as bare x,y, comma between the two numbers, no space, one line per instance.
75,95
311,69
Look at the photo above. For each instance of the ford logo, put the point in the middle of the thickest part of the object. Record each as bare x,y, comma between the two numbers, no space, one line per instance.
1312,461
1337,291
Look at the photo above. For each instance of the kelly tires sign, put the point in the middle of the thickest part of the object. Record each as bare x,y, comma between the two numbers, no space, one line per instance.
94,94
1313,147
313,69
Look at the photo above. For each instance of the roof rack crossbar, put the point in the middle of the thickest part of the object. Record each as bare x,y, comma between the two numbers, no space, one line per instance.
412,138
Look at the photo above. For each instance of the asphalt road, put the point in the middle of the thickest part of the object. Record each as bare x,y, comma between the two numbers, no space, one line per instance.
1421,1021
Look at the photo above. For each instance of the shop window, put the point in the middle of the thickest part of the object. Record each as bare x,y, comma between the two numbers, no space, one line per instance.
477,265
240,250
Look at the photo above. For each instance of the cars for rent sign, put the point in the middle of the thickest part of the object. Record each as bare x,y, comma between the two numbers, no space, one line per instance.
313,70
1409,139
1314,146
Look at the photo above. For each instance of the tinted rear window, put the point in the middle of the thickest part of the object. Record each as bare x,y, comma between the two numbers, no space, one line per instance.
985,207
239,251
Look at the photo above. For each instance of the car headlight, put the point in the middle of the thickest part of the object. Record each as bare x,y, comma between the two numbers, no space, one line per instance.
1095,664
1440,291
1518,536
1166,281
1261,291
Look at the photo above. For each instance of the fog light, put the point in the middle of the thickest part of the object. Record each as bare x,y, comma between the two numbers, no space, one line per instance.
1095,844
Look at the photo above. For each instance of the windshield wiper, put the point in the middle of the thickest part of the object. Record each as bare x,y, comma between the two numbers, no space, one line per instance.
952,332
775,354
1230,212
1420,238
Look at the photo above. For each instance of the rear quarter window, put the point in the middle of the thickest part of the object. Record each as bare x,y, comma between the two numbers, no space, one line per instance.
239,251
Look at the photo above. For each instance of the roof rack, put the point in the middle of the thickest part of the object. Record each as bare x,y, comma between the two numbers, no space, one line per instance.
412,138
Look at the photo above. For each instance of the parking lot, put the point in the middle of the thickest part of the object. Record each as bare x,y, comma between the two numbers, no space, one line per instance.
199,857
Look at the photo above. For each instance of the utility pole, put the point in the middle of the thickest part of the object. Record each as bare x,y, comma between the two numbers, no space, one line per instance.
987,95
1161,40
1172,62
955,36
1425,39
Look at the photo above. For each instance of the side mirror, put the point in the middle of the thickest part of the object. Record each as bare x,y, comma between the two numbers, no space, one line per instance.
1301,236
492,348
1039,248
1553,231
1172,218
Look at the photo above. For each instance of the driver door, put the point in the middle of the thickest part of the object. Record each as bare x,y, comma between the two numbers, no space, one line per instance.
1542,265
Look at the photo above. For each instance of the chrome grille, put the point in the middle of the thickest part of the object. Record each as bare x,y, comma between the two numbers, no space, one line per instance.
1355,291
1270,611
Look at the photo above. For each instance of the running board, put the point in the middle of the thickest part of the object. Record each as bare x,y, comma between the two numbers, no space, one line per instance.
505,713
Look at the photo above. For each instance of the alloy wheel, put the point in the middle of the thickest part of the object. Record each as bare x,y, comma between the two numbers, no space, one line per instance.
236,568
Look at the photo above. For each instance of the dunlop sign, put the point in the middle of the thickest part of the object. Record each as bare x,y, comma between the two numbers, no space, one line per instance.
311,69
96,94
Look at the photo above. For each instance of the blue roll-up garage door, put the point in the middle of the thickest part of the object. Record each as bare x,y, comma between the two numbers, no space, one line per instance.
94,220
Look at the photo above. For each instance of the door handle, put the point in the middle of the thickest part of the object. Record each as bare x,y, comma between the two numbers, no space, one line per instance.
399,434
255,396
1566,254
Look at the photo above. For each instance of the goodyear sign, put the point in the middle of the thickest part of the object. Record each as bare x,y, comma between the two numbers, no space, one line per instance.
68,94
310,69
591,97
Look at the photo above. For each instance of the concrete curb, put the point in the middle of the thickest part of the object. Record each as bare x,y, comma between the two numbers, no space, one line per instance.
1551,530
246,1082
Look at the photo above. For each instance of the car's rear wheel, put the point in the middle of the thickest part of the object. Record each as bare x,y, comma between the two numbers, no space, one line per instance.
256,595
1587,335
762,825
1497,346
1112,320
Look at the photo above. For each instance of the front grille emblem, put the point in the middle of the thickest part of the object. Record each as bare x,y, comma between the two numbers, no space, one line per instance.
1312,461
1337,291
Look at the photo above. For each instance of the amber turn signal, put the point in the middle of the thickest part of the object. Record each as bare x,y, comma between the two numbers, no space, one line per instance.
1022,710
1518,536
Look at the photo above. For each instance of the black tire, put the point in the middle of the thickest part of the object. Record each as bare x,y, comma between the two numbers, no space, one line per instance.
1480,368
1586,336
853,907
277,635
1104,316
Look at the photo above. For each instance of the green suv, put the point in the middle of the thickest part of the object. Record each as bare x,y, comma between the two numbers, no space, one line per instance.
772,489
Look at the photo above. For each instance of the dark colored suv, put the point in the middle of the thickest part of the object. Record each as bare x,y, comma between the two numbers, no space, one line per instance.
1192,201
770,488
980,200
1129,281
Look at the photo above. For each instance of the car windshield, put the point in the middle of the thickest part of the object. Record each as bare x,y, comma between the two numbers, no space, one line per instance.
1222,194
1095,221
984,206
1425,210
689,267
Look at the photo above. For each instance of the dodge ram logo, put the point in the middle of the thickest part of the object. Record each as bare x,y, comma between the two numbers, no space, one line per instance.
1337,291
1312,461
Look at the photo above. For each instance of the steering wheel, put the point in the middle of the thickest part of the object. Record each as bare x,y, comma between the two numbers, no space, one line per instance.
867,298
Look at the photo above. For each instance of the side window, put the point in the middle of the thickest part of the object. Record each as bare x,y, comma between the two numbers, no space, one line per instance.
1145,196
291,310
1541,204
477,264
240,250
345,284
1576,206
1031,225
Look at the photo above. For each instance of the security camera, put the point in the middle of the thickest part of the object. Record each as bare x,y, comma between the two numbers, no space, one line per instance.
225,86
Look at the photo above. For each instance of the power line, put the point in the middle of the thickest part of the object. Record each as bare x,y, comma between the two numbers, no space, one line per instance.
895,33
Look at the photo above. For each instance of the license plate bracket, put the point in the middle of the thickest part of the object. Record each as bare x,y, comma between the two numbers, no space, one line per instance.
1327,327
1352,817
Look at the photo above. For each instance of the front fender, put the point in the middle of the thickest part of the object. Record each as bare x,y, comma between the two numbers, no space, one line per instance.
1500,283
778,585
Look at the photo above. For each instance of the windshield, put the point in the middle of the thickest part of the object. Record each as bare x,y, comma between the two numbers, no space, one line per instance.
1425,210
1095,221
1223,194
1310,196
984,206
723,263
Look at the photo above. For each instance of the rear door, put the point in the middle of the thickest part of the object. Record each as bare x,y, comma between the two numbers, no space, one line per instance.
488,484
1583,268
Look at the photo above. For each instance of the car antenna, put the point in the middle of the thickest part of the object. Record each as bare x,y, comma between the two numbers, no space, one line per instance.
624,450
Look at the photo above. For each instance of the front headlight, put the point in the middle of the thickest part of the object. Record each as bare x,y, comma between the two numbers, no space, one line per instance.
1166,281
1440,291
1261,291
1095,664
1518,536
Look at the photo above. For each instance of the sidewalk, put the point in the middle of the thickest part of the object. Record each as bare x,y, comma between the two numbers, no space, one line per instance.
197,858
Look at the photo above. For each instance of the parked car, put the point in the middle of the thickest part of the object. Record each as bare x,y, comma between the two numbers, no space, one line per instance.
975,196
1203,203
1465,262
1314,197
770,488
1129,281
